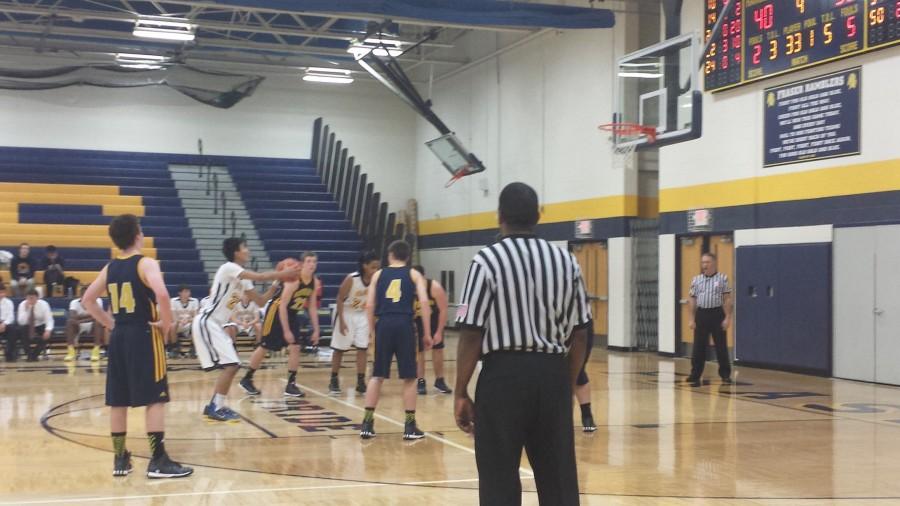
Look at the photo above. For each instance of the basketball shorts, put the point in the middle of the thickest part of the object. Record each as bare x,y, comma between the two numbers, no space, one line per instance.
420,330
394,338
184,330
213,345
357,332
273,336
136,373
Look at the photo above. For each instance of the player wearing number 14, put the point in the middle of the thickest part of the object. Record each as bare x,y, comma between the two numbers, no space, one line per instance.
136,375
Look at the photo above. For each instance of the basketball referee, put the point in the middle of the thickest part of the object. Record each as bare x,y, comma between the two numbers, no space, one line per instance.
524,312
710,305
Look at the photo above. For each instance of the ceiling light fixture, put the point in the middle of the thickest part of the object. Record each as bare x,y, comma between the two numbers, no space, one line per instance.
163,28
318,78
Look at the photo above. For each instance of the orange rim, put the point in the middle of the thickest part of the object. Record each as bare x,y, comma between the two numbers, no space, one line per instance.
630,129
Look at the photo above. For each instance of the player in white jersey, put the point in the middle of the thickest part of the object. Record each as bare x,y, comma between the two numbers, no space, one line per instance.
80,323
184,309
245,320
351,326
215,349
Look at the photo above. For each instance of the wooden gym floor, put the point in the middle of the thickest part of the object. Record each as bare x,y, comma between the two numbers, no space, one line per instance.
772,438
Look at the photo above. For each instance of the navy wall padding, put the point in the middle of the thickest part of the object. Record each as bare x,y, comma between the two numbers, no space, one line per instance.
787,324
468,12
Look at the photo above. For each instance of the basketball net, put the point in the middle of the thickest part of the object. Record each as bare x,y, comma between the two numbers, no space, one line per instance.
624,155
461,173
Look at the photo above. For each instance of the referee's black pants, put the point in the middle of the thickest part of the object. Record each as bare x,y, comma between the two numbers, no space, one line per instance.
709,322
525,400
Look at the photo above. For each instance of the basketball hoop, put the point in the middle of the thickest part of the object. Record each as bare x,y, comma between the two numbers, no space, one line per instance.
623,155
461,173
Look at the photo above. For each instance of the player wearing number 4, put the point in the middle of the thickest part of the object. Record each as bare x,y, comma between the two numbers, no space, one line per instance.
395,290
136,375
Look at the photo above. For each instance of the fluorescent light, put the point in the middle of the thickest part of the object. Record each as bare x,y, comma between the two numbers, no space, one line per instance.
140,66
378,40
155,33
640,75
360,50
323,69
163,28
140,57
327,79
639,64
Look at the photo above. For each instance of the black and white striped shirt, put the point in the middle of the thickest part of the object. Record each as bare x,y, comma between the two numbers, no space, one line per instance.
710,290
527,294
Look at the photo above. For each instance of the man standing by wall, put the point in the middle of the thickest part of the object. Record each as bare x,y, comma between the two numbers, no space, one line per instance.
711,311
524,312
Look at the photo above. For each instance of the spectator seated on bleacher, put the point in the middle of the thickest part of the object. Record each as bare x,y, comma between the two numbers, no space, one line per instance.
184,310
54,267
35,323
245,320
21,270
80,323
7,322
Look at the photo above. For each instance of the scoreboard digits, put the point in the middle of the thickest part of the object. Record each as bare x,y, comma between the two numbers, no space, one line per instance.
762,38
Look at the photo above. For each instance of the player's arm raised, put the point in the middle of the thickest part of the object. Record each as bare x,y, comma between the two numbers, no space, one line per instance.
261,298
269,275
89,301
440,296
148,269
289,288
339,304
422,293
370,302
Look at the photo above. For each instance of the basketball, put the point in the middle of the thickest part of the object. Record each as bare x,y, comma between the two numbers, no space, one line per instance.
288,264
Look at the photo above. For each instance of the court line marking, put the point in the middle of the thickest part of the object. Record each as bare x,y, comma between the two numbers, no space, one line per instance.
246,491
528,472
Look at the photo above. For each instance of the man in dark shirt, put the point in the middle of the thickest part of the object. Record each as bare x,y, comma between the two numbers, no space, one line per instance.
53,266
21,270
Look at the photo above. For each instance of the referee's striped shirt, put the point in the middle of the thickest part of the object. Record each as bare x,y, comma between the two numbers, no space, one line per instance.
710,290
527,295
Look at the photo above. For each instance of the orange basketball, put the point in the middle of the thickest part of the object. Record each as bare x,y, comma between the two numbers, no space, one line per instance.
288,264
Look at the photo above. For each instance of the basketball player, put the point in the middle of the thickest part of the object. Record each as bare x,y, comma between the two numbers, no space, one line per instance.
245,320
184,310
215,349
280,324
583,386
392,298
351,326
310,315
136,375
80,323
437,301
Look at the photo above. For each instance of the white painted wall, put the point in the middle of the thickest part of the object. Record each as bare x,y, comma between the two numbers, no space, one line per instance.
668,293
783,235
531,115
274,122
620,288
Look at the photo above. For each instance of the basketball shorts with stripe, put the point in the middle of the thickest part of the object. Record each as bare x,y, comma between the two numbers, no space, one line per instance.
213,345
357,334
136,373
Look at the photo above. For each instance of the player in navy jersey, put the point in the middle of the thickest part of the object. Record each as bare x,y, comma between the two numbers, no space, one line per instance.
396,288
136,374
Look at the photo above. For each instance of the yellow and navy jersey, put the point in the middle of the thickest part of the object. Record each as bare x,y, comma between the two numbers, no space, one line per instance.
396,292
271,320
432,303
302,295
131,300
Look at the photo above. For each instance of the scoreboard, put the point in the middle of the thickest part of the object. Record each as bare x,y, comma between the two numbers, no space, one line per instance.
763,38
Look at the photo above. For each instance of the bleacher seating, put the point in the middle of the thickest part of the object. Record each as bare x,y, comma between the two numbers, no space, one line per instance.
67,197
293,212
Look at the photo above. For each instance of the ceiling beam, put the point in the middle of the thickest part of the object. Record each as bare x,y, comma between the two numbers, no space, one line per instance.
202,42
125,17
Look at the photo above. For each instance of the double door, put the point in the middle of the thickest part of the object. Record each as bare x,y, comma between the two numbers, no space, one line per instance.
594,262
691,251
